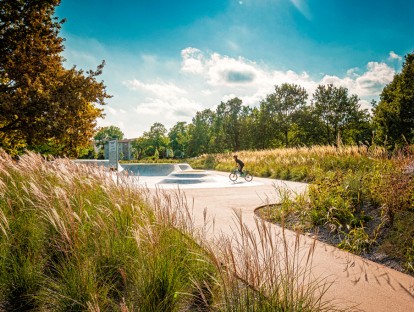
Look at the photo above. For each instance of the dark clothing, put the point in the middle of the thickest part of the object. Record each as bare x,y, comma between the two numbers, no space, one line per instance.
240,164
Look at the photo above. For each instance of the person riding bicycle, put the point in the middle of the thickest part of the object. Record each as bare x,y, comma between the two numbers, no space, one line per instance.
239,164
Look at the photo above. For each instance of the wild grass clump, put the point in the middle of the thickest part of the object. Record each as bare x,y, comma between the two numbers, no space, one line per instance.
72,239
297,164
356,194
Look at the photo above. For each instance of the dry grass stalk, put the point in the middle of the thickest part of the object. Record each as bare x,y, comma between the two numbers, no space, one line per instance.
276,265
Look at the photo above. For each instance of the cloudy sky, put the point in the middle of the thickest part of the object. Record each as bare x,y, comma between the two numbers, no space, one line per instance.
166,59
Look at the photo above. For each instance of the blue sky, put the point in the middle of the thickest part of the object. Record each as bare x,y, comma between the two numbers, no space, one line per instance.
166,60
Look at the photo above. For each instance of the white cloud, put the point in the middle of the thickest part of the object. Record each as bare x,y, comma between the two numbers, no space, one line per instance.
365,105
223,77
218,69
375,79
223,70
173,109
302,7
353,72
394,56
228,77
370,83
111,110
164,90
192,60
151,106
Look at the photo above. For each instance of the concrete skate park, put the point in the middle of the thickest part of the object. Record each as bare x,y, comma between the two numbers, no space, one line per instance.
354,281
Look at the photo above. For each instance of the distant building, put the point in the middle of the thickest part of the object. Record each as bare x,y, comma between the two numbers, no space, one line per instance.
124,149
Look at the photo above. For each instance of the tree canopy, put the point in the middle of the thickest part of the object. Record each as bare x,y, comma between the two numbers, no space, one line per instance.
106,134
281,108
337,112
283,119
394,115
43,106
179,138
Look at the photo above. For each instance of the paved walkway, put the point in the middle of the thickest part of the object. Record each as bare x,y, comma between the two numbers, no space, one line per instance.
355,281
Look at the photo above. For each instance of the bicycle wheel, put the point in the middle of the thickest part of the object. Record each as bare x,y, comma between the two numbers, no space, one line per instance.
248,177
233,176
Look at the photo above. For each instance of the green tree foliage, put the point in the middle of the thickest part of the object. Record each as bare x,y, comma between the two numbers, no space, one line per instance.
282,119
394,115
283,106
201,133
179,138
140,145
153,143
106,134
157,137
43,106
248,129
227,125
267,136
337,111
305,129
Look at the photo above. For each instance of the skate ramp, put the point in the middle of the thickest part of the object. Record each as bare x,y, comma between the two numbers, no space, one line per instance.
187,176
185,167
93,162
97,163
169,175
150,170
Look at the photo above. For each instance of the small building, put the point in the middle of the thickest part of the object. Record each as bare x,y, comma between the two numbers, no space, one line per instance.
124,149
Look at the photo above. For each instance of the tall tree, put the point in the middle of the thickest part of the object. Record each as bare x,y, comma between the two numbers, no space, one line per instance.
141,145
106,134
248,128
307,128
157,138
228,126
266,125
335,109
288,100
280,108
200,131
179,138
43,106
394,115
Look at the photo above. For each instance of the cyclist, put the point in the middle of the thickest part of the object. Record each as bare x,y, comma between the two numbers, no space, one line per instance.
239,164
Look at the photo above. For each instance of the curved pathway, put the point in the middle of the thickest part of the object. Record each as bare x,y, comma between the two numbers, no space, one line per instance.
355,281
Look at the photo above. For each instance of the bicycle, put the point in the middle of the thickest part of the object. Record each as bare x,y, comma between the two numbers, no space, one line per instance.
234,174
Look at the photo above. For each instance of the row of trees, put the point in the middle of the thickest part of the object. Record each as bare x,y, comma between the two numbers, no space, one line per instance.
285,118
282,119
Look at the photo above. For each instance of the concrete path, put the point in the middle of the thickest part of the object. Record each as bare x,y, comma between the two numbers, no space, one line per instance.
355,281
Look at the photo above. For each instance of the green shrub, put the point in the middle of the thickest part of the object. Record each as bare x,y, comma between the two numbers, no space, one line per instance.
356,240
